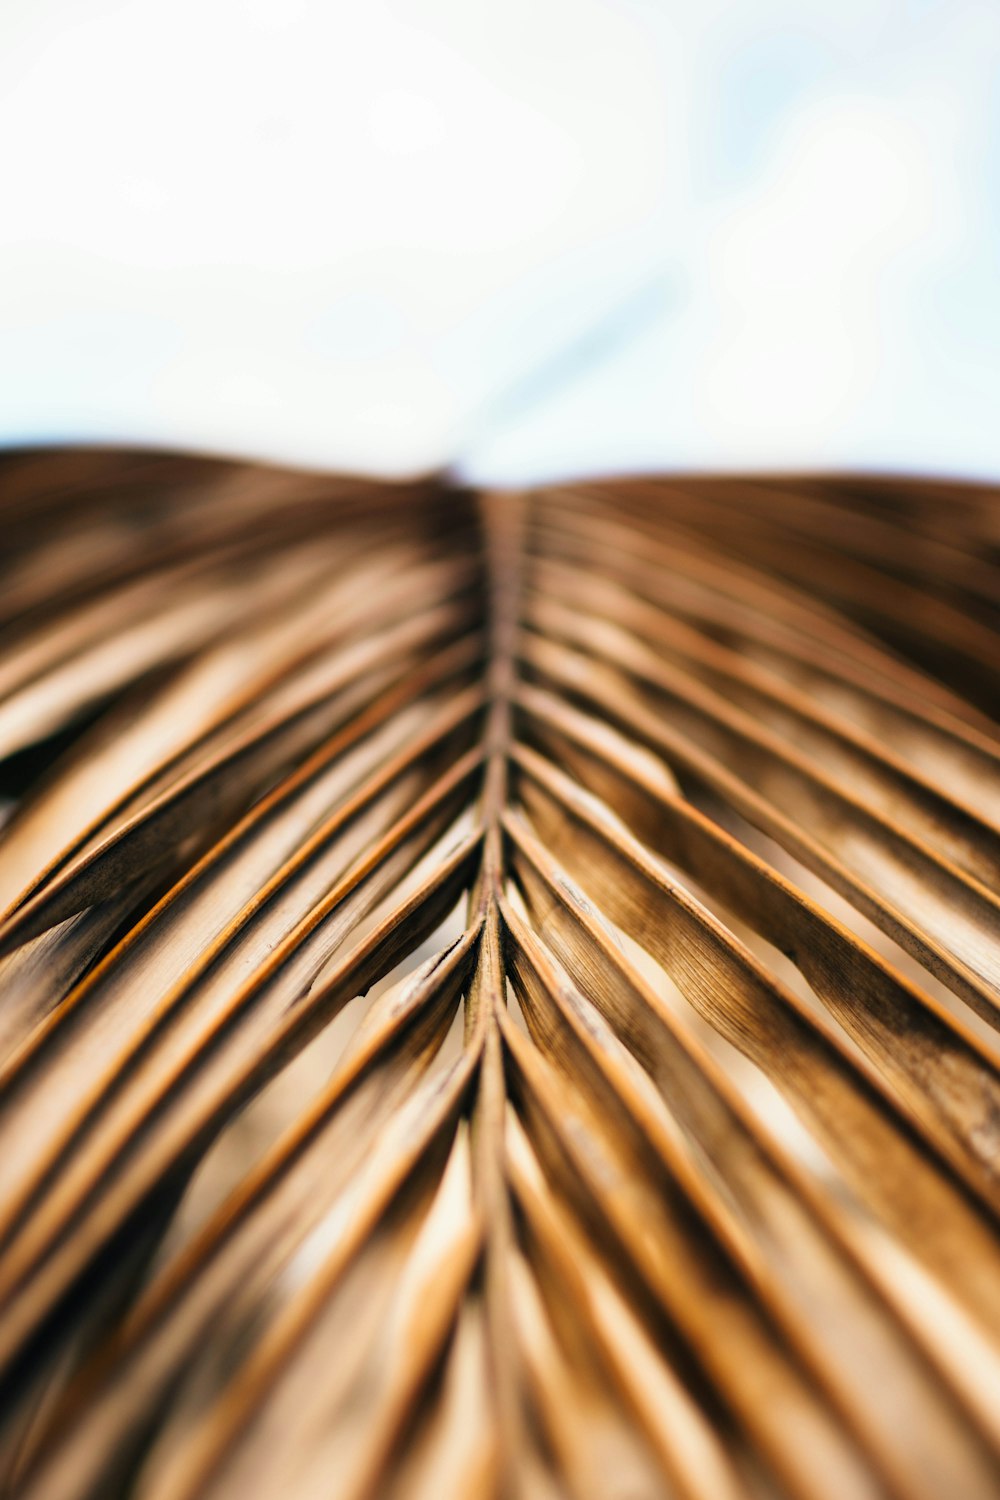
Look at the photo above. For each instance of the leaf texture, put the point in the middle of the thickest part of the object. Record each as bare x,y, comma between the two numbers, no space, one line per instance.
499,993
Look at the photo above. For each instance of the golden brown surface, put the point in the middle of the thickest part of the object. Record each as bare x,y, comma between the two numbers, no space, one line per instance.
499,994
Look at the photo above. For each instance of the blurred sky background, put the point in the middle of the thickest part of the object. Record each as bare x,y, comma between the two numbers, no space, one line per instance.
533,237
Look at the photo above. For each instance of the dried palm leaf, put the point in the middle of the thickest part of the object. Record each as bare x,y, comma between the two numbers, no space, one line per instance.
498,993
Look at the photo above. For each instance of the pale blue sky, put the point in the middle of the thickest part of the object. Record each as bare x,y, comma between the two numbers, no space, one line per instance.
545,237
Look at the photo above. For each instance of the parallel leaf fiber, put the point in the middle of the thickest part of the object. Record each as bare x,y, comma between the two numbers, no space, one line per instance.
499,994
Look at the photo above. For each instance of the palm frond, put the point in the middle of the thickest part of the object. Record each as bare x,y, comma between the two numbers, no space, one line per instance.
498,993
